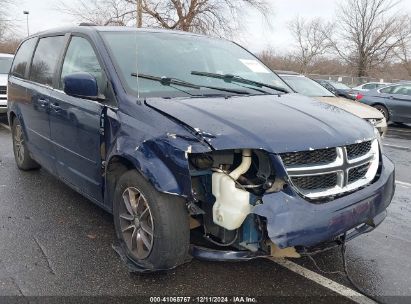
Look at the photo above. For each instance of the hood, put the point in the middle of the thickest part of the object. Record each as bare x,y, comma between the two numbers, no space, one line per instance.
280,123
3,79
357,108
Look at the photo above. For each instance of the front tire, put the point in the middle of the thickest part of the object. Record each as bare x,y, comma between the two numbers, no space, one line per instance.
152,228
21,153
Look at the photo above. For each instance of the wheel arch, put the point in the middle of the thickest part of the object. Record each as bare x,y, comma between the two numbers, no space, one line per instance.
11,116
154,171
382,105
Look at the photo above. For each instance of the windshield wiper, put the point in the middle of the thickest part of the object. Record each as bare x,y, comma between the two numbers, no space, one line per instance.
239,79
168,81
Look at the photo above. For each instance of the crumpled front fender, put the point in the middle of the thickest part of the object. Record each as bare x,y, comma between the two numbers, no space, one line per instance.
162,161
293,221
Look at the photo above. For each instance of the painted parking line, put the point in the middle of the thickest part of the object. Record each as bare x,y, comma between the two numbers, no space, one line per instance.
325,282
400,130
397,147
403,184
5,126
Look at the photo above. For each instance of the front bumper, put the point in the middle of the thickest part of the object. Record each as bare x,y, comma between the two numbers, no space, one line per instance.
292,221
3,104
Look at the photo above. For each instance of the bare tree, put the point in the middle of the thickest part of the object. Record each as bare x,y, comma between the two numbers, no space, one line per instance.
5,20
311,40
100,12
368,33
403,52
220,17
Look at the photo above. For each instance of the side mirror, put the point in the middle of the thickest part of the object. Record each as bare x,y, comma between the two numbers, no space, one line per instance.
82,85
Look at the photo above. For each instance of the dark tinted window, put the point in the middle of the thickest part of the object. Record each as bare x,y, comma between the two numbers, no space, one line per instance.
45,59
23,57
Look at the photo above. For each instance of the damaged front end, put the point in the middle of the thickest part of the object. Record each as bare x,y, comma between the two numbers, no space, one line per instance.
251,203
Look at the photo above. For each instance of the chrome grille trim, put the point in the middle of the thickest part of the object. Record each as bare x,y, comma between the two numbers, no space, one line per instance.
342,167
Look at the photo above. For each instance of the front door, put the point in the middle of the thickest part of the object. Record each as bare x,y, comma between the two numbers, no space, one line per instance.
401,103
75,124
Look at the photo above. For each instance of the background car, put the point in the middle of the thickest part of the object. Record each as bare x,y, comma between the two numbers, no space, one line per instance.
393,101
371,86
338,88
309,87
5,64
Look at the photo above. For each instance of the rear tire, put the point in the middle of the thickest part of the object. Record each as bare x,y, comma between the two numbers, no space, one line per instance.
21,153
152,228
383,111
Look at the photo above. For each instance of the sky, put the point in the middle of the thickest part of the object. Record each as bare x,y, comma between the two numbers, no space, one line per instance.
256,36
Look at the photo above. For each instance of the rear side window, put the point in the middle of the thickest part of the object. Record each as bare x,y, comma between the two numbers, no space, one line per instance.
45,59
388,90
402,90
369,86
22,58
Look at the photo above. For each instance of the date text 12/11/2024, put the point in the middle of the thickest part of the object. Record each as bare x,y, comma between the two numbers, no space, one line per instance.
204,299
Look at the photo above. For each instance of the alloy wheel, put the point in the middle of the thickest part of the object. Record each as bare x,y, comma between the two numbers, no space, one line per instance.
19,144
136,223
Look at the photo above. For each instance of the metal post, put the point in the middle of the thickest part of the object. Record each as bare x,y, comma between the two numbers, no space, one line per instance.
139,13
27,21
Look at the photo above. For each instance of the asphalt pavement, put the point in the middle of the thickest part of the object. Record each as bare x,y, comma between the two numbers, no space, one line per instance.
54,242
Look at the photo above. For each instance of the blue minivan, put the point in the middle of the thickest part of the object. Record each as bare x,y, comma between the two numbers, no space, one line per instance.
194,145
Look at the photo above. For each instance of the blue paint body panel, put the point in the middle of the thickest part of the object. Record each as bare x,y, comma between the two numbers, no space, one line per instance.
292,221
76,140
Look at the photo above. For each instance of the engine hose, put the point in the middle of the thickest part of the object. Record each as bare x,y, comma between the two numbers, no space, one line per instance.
208,238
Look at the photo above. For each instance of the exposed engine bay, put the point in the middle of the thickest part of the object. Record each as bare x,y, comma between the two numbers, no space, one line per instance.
227,185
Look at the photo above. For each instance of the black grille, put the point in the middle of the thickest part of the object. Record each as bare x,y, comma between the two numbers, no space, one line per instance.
3,90
358,150
320,156
357,173
312,182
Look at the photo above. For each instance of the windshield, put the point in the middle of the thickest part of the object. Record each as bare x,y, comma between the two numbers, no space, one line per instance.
177,56
339,85
5,64
306,86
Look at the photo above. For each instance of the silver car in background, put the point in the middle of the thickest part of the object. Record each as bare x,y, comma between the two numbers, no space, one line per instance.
393,101
5,64
308,87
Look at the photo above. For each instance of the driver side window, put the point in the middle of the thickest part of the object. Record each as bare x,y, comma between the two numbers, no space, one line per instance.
80,57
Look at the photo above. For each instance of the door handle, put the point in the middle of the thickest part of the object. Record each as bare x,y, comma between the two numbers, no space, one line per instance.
55,107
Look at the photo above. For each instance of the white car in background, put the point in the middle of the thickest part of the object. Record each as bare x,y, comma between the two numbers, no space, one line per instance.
5,64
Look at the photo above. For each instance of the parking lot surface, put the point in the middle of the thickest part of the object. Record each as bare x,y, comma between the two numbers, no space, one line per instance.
54,242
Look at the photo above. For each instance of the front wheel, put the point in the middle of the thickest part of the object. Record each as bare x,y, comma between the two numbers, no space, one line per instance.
152,228
21,153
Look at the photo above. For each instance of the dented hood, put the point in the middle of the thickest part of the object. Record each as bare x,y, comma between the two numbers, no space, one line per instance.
278,124
354,107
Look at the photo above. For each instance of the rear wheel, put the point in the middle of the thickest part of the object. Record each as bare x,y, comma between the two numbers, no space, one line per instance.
383,111
21,153
152,228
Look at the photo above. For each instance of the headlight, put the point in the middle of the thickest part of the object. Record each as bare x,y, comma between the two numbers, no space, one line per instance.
378,137
374,121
